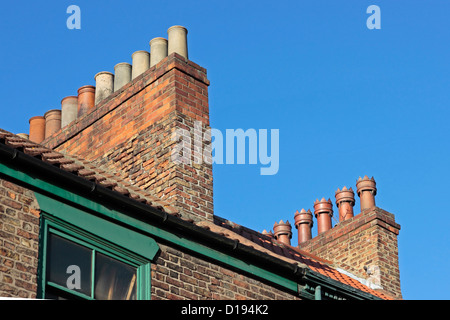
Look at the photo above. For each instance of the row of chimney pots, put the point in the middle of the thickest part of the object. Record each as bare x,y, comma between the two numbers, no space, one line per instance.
73,107
323,211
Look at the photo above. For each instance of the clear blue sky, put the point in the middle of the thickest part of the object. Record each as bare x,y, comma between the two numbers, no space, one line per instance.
348,101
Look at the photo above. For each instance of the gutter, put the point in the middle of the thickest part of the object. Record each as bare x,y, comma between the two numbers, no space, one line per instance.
306,279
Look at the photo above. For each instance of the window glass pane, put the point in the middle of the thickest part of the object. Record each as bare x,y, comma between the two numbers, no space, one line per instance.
69,264
114,280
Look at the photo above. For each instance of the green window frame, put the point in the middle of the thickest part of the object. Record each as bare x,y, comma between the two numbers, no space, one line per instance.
102,235
52,226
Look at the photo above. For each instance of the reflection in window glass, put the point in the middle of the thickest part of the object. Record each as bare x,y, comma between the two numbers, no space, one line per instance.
62,254
114,280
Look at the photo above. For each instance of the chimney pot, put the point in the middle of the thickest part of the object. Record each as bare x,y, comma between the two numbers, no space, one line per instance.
345,200
303,222
140,64
122,75
37,129
267,233
366,189
158,50
86,100
283,232
323,210
23,135
177,42
52,122
69,110
104,85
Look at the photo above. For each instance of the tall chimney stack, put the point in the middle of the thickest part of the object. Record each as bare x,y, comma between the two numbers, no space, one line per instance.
146,113
303,222
282,232
323,210
345,200
366,189
37,129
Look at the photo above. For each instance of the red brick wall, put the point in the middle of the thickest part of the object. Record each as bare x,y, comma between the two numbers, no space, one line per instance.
177,275
131,133
368,239
19,234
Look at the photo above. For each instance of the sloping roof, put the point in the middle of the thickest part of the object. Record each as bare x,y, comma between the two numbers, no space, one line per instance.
259,240
84,169
246,236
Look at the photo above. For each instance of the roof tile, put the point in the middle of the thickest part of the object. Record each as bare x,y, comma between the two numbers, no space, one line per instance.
84,169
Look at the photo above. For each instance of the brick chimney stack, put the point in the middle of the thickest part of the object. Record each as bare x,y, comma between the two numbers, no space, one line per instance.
366,189
323,210
363,244
128,123
345,200
304,223
283,232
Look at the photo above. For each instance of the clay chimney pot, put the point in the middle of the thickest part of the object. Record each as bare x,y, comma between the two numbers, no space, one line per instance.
177,41
122,75
52,122
323,210
104,85
23,135
140,63
86,100
366,189
69,110
345,200
283,232
37,129
303,222
267,233
158,50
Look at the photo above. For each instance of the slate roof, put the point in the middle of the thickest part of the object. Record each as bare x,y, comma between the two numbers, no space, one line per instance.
246,236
